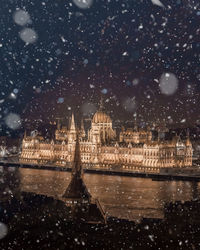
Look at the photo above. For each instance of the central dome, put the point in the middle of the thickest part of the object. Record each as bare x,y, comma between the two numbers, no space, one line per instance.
101,117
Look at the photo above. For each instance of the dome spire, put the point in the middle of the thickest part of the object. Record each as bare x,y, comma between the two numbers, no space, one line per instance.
101,106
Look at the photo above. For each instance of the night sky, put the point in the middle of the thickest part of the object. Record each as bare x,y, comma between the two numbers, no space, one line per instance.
142,56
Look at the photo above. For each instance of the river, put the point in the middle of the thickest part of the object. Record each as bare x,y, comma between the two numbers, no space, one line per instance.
125,197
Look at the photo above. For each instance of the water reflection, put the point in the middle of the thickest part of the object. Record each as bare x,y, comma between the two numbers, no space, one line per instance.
124,197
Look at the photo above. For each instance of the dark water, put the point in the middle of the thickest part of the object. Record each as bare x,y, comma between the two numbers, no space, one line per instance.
124,197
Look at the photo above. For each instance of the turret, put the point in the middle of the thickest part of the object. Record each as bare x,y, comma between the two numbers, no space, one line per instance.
188,142
135,124
83,134
58,123
101,106
72,124
72,130
25,135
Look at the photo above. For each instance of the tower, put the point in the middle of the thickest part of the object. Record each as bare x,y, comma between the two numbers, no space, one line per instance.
83,134
135,128
58,124
72,124
189,151
101,106
72,130
188,142
78,197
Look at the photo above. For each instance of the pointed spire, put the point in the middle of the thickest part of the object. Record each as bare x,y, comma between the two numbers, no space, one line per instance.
58,123
82,129
188,142
72,124
101,106
82,124
188,133
135,123
25,135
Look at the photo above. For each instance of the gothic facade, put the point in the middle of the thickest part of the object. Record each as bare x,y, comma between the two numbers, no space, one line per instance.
133,150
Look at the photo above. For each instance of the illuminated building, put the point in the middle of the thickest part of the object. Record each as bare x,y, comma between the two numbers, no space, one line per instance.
133,150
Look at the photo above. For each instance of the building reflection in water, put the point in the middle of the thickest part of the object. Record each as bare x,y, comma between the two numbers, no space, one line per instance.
124,197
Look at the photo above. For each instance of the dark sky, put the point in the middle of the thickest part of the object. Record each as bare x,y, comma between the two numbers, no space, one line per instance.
57,57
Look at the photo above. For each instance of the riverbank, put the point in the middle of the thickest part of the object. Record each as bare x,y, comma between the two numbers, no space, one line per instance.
92,170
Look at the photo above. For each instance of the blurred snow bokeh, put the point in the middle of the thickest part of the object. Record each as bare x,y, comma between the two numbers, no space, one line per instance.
129,104
88,109
3,230
21,17
158,3
168,84
104,91
83,4
13,121
28,35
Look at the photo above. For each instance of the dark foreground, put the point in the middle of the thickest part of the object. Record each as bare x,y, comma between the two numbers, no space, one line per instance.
40,222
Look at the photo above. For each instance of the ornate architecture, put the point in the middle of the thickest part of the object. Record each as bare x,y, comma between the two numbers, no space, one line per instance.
133,150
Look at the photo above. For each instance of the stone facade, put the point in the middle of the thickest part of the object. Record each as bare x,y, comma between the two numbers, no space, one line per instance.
134,150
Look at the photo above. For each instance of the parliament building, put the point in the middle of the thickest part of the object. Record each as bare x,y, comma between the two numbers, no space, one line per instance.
133,149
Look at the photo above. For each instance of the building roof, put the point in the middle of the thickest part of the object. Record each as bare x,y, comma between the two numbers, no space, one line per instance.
101,117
